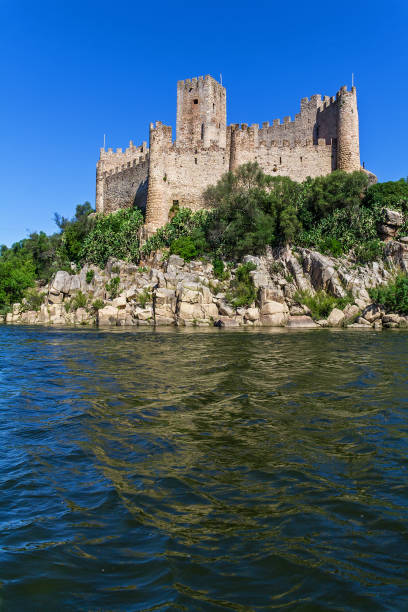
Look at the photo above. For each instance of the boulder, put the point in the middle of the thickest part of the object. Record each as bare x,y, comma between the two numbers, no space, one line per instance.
322,273
391,320
176,261
61,282
323,322
252,259
226,322
361,303
165,298
252,314
119,302
278,319
143,314
271,308
387,232
358,326
300,321
107,316
394,217
270,294
226,310
55,298
335,318
191,313
43,316
30,317
296,310
372,312
362,321
194,293
82,316
75,284
351,311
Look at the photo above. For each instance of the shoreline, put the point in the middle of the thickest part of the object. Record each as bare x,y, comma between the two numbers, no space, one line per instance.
286,288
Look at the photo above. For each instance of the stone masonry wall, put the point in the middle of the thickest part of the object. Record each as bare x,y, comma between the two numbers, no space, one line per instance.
126,187
121,178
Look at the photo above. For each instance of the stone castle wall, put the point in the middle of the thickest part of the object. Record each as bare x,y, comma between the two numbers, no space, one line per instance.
122,178
323,136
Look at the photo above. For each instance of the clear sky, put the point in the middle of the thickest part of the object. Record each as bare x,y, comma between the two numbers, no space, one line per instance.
72,71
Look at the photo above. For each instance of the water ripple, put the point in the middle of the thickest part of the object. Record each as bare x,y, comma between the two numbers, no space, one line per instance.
203,470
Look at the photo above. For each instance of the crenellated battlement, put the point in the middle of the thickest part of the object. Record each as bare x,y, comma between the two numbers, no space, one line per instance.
142,159
321,137
110,160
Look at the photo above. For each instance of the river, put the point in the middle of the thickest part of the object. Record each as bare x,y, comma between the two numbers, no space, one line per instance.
203,470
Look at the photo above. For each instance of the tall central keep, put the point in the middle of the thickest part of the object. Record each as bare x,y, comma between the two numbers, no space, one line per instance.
324,136
201,113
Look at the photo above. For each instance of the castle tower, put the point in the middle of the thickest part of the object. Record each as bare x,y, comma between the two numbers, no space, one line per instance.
157,208
201,113
348,146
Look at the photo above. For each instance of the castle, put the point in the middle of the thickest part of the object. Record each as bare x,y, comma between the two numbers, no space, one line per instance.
323,137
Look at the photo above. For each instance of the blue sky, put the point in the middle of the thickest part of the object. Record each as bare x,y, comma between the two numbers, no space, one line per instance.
72,71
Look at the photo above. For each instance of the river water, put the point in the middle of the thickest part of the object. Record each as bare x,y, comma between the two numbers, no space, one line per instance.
203,470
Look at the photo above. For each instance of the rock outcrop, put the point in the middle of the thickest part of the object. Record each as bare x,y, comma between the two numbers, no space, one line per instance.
175,292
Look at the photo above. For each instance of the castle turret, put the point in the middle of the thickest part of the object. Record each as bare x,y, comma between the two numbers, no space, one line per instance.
157,208
244,143
348,146
201,112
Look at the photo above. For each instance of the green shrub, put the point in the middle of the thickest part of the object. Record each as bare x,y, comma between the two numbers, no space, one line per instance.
323,195
90,276
219,269
394,296
115,235
372,250
184,247
79,301
331,246
391,194
321,304
17,274
242,291
33,300
184,223
113,287
74,232
98,304
144,297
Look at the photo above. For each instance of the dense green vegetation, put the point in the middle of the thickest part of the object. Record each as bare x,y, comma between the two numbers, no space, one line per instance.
394,296
114,235
242,291
246,212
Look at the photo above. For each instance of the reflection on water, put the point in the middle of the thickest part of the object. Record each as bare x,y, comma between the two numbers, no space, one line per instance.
203,470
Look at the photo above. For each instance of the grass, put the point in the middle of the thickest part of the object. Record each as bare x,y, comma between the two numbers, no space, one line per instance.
321,304
113,287
144,297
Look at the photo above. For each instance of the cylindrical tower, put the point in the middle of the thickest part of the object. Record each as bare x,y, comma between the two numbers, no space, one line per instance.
348,144
157,207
